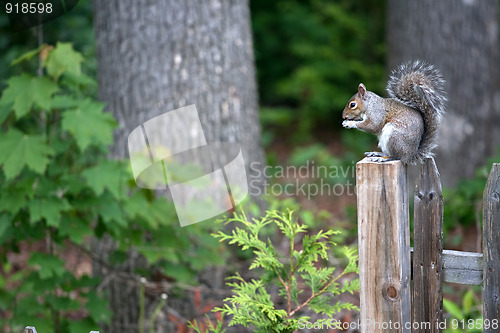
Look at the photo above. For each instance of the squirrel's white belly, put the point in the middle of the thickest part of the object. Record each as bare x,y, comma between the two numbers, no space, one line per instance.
385,135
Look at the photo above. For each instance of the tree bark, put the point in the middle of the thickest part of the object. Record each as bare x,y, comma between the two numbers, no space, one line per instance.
461,39
158,56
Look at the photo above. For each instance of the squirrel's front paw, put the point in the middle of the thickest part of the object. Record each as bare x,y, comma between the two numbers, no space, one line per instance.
350,124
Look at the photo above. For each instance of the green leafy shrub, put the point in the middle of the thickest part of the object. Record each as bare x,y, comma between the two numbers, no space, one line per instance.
58,189
75,26
303,275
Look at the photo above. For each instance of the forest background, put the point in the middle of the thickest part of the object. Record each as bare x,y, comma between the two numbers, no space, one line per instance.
84,249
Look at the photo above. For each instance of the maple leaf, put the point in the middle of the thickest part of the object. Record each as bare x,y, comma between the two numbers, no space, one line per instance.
24,91
109,174
89,124
63,59
49,208
19,150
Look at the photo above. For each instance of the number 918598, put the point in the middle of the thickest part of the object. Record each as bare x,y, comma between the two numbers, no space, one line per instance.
28,8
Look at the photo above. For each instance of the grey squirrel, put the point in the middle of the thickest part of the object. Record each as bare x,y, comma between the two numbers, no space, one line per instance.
407,123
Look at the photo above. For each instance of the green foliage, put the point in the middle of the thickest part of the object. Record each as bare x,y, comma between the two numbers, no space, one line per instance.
63,60
323,164
76,26
316,152
88,124
316,55
58,189
464,317
24,91
274,119
208,326
20,150
463,203
303,276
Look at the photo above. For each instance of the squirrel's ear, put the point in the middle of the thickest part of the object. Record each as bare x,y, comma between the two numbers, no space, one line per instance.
361,90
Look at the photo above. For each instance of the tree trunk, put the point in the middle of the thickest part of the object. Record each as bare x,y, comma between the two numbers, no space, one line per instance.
461,39
158,56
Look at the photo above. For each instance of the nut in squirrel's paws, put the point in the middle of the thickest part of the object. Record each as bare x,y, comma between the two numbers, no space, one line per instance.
350,123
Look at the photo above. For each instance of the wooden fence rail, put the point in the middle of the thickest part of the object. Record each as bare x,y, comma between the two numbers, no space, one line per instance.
385,268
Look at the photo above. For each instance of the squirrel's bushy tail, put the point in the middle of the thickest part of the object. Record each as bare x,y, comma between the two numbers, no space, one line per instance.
420,86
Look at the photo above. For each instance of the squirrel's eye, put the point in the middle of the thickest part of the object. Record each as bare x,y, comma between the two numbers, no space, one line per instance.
352,105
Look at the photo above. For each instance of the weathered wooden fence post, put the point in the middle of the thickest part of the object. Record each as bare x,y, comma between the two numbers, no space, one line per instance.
491,251
384,246
427,305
